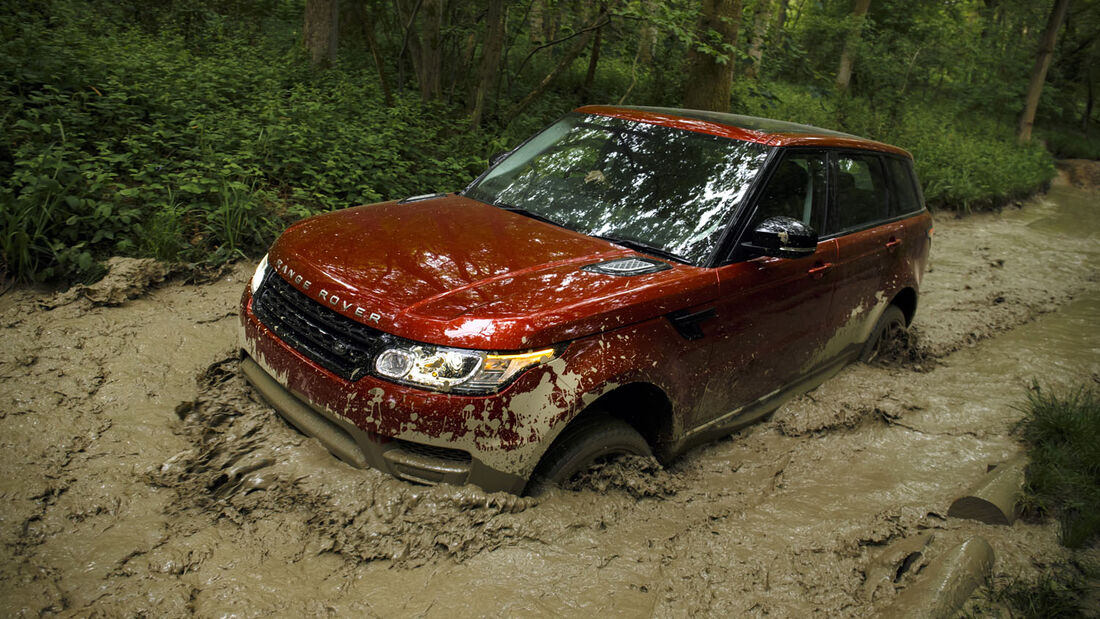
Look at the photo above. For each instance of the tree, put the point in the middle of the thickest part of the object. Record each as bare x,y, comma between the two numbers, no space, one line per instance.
1039,71
844,71
490,59
321,32
759,32
710,62
583,36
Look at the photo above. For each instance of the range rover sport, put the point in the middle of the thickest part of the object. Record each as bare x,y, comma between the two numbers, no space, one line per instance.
627,281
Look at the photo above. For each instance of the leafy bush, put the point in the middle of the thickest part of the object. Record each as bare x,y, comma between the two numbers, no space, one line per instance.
963,161
196,131
121,142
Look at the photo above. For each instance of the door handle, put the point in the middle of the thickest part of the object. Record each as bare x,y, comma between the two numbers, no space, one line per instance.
892,243
819,271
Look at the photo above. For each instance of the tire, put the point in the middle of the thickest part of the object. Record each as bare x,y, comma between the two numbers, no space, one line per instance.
889,326
584,443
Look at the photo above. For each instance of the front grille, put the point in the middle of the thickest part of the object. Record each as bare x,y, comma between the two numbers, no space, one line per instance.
336,342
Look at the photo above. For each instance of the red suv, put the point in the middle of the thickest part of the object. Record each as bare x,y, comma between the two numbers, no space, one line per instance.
628,281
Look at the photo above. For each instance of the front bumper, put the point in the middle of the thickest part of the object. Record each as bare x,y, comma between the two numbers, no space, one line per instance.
406,460
494,441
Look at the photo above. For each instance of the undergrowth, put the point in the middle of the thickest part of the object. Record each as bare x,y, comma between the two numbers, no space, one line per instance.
119,142
1057,592
1062,433
199,141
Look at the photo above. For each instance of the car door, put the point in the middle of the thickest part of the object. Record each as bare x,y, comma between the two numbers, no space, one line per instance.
767,319
858,219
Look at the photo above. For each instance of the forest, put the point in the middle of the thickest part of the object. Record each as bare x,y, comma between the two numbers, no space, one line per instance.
194,131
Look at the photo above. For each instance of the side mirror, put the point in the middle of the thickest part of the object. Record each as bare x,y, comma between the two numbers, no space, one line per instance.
496,157
783,237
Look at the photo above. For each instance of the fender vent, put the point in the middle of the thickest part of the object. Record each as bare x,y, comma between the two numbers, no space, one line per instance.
626,267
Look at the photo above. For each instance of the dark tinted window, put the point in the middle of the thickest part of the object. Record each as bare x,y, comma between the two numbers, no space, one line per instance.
860,192
668,188
903,192
796,189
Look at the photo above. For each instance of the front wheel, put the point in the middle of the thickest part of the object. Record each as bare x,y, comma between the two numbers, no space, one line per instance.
585,443
889,328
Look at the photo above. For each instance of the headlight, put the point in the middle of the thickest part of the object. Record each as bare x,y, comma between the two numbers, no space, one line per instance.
258,276
454,369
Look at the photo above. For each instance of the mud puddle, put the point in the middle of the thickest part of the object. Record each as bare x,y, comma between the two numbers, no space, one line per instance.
132,490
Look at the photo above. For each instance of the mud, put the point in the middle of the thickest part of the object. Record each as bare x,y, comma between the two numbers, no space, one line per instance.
132,488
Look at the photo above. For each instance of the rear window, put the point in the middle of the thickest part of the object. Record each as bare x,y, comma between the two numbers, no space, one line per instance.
903,190
860,192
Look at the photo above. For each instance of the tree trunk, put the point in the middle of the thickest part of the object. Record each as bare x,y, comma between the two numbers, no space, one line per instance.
1039,71
593,60
535,23
490,59
431,50
781,16
709,77
410,42
1086,118
844,71
759,32
570,55
321,30
366,21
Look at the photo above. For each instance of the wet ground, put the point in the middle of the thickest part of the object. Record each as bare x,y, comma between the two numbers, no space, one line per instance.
131,487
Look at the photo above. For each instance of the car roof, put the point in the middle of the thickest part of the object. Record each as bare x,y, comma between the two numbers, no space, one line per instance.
738,127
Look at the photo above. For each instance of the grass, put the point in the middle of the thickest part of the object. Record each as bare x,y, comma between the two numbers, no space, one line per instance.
1055,594
1062,432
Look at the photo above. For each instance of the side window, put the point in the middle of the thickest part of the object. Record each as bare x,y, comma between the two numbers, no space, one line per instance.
860,192
796,189
903,193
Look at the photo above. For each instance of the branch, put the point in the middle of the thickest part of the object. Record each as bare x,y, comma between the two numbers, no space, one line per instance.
596,26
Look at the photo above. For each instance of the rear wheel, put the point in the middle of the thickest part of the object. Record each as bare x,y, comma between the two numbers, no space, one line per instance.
584,443
890,328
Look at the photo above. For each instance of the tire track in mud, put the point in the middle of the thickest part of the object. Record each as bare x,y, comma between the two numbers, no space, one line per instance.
239,469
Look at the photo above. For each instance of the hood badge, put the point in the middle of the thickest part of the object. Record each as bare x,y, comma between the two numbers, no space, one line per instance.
324,296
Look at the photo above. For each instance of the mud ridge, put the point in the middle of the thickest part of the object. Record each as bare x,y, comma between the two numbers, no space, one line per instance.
234,472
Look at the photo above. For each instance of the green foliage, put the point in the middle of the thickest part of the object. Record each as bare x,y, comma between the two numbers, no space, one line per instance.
1068,143
1062,432
197,130
963,161
120,142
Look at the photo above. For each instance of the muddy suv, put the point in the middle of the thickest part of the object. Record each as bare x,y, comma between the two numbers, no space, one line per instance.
627,281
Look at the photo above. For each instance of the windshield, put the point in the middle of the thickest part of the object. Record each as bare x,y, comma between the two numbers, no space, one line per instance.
669,189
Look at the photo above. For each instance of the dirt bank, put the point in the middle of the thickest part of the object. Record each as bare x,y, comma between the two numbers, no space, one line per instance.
133,488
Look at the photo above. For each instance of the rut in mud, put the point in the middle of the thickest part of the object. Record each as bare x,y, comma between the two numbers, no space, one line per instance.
133,489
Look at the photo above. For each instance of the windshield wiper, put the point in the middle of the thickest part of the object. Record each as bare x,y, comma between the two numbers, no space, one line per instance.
526,213
641,246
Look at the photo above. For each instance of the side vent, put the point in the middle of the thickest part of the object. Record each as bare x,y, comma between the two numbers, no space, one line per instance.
687,322
626,267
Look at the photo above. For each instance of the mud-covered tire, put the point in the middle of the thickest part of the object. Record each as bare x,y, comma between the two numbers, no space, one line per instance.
889,326
584,443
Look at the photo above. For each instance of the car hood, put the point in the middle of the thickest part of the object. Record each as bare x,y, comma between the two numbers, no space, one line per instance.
454,271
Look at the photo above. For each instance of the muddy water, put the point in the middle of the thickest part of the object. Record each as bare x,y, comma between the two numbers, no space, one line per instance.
131,488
